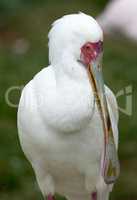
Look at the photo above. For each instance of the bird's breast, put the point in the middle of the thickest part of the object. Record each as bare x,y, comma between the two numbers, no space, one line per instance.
69,109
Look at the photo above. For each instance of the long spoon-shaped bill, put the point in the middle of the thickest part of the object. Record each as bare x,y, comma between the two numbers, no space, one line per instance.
111,168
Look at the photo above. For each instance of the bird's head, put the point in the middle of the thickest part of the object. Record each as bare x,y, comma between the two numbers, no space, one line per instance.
75,41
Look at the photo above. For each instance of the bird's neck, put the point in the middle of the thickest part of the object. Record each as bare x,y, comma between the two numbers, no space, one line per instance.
71,71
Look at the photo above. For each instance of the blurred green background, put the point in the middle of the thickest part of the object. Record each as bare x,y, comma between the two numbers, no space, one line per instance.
24,25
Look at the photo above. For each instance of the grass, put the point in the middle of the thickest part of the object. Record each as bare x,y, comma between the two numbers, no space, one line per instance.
17,179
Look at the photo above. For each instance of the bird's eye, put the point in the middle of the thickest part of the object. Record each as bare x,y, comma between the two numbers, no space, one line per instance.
88,47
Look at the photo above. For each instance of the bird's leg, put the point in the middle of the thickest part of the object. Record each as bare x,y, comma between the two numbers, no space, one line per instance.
50,197
94,196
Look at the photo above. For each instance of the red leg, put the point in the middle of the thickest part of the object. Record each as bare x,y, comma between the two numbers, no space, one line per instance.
50,197
94,196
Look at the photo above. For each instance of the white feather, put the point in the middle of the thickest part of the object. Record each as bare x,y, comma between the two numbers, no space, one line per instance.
58,133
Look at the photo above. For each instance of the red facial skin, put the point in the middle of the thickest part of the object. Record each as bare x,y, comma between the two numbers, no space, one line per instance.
90,51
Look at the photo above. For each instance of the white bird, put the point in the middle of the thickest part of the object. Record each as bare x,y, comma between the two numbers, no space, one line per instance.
120,15
67,123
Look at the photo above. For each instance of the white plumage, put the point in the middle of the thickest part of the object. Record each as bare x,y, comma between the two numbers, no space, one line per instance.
59,129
